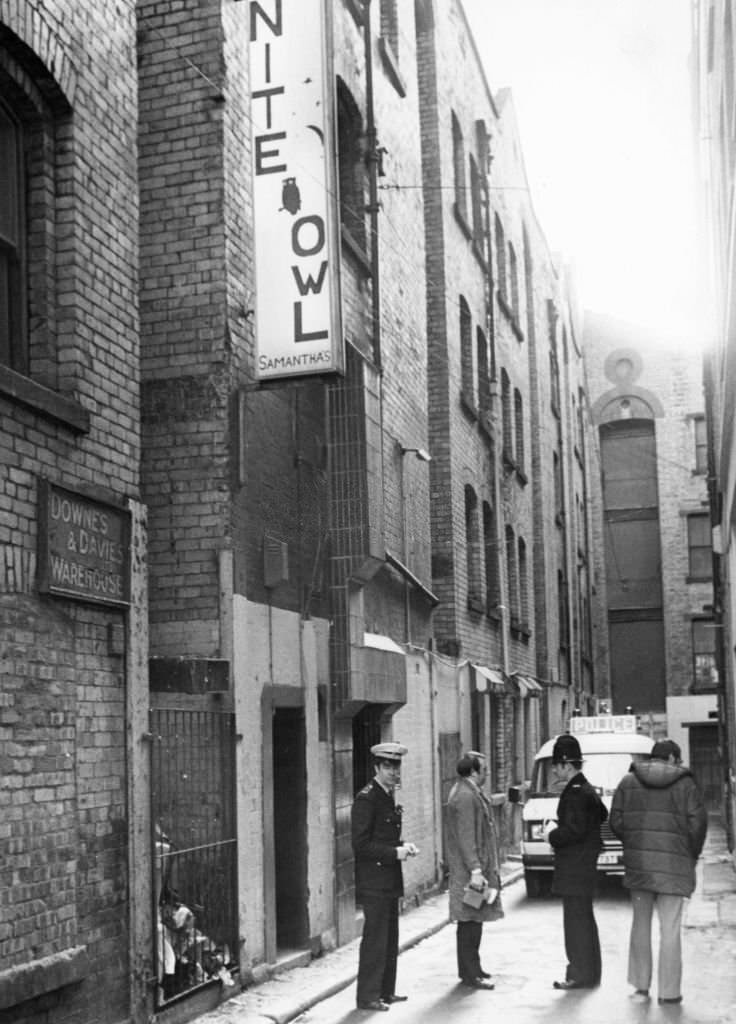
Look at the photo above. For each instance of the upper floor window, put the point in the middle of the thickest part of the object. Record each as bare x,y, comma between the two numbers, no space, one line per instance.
477,203
705,666
563,612
699,546
500,246
466,349
473,554
490,551
519,427
701,445
512,576
513,281
351,167
484,376
390,24
458,163
507,422
523,583
557,483
13,347
554,363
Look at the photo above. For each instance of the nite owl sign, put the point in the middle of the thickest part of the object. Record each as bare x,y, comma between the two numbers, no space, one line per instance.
298,331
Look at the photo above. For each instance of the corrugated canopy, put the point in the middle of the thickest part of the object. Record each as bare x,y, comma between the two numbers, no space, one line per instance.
489,679
527,685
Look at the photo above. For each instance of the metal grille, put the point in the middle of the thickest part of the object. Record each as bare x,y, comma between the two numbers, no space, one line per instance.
195,850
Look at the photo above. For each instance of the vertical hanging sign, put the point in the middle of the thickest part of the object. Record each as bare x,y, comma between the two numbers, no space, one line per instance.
297,322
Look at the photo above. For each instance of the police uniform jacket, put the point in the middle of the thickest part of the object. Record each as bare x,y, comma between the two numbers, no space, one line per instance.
376,832
577,838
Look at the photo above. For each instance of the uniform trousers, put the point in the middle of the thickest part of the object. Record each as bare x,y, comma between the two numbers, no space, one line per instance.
468,938
669,972
582,944
379,947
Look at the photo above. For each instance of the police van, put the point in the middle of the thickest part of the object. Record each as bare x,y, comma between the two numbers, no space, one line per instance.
609,744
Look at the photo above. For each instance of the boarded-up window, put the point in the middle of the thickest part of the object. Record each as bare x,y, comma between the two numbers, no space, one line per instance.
629,457
637,665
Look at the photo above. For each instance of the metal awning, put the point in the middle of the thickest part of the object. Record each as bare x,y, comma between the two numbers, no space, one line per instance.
491,679
527,685
382,643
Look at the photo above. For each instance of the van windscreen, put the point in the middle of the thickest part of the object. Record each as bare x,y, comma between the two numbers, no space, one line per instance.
604,771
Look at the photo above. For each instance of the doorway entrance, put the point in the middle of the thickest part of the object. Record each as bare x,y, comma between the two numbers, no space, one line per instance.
290,829
706,765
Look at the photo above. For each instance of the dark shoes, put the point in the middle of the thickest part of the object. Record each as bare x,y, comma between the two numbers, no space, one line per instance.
478,983
394,999
567,985
675,999
375,1004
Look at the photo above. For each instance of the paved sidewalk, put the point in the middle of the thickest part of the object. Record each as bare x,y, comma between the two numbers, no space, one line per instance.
289,993
709,943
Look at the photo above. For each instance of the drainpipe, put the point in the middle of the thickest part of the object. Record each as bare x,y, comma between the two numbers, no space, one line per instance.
496,428
495,418
373,160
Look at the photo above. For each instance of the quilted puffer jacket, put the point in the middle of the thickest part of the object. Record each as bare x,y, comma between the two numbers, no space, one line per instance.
658,815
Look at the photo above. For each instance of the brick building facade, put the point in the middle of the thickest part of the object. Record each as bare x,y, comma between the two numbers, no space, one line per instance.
655,552
275,576
73,617
713,89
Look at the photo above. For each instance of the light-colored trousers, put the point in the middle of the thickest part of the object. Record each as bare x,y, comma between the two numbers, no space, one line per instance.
669,971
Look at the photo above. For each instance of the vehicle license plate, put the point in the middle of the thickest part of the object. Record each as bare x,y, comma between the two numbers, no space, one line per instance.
608,858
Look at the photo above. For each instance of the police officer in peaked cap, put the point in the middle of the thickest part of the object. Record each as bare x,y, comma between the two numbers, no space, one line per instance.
576,840
379,852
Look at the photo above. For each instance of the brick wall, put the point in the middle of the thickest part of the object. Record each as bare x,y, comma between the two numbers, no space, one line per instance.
64,914
670,379
185,363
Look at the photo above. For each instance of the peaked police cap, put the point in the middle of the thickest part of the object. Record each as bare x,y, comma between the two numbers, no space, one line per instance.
389,751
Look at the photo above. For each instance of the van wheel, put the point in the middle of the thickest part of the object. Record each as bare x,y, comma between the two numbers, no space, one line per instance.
537,883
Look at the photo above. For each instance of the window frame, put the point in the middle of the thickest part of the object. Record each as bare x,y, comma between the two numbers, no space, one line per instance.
14,342
696,520
700,441
701,625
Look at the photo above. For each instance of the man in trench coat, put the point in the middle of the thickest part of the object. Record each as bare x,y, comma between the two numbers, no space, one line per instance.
472,852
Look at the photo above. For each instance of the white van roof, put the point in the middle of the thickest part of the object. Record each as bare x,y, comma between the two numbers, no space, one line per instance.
604,743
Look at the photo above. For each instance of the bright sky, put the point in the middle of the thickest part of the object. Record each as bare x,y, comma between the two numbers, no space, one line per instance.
602,94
